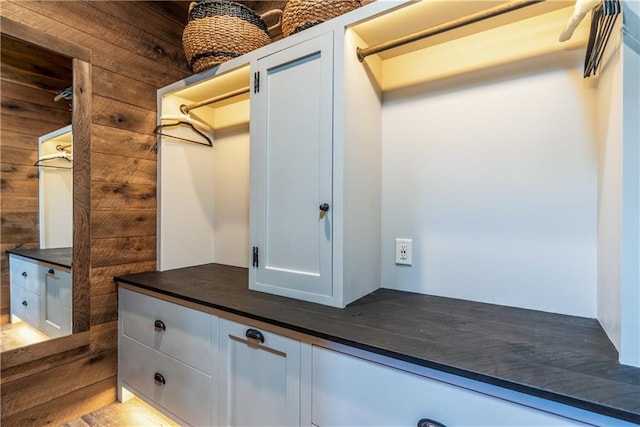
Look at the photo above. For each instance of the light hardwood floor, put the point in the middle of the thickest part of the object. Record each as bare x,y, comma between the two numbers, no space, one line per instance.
133,413
20,334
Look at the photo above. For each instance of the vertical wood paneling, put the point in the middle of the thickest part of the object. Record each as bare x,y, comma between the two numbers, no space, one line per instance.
82,107
130,61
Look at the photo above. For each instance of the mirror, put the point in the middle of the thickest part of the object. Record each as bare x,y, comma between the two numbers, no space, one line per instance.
45,134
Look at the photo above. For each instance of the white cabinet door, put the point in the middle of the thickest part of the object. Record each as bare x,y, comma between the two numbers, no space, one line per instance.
259,377
291,171
56,320
348,391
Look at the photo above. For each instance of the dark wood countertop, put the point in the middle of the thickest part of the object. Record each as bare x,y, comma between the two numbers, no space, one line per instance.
57,256
561,358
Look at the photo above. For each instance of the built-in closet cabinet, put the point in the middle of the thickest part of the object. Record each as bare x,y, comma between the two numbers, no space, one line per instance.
439,141
315,173
313,208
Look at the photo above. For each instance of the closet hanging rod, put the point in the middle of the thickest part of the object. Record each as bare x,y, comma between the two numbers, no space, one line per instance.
447,26
186,108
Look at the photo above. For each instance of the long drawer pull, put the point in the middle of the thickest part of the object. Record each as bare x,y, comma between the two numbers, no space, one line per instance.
255,334
158,378
159,326
429,423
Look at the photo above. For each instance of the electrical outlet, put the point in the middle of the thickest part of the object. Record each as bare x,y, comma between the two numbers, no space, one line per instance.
403,251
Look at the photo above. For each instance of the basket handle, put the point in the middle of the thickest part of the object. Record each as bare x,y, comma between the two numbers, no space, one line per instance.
191,5
273,12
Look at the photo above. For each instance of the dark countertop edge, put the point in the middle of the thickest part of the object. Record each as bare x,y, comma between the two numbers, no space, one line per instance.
533,391
37,257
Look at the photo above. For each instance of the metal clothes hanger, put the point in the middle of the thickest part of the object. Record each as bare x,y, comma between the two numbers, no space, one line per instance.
602,22
63,152
64,155
183,120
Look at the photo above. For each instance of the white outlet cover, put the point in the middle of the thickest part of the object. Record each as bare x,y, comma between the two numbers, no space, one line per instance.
403,252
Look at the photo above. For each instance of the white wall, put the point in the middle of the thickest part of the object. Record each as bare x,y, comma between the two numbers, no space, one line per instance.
494,178
56,207
56,191
609,132
230,188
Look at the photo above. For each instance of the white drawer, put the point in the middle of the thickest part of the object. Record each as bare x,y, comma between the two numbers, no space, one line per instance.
355,392
25,273
186,392
180,332
25,305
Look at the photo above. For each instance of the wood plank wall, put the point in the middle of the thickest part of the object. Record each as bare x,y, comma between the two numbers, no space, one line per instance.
135,51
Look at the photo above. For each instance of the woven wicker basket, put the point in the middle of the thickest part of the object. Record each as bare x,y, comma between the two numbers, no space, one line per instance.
220,30
299,15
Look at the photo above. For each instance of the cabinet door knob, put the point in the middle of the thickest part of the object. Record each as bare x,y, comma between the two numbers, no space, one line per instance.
429,423
25,303
159,326
255,334
324,207
24,274
158,378
51,271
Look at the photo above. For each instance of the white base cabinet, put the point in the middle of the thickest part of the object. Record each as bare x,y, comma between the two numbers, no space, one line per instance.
205,370
202,370
348,391
167,357
41,295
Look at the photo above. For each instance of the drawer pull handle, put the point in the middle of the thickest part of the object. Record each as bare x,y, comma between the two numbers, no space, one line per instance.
429,423
25,303
255,334
24,274
51,271
158,378
159,326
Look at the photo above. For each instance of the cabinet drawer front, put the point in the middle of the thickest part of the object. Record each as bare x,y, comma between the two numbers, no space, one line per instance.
261,371
180,332
355,392
25,305
25,273
186,392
